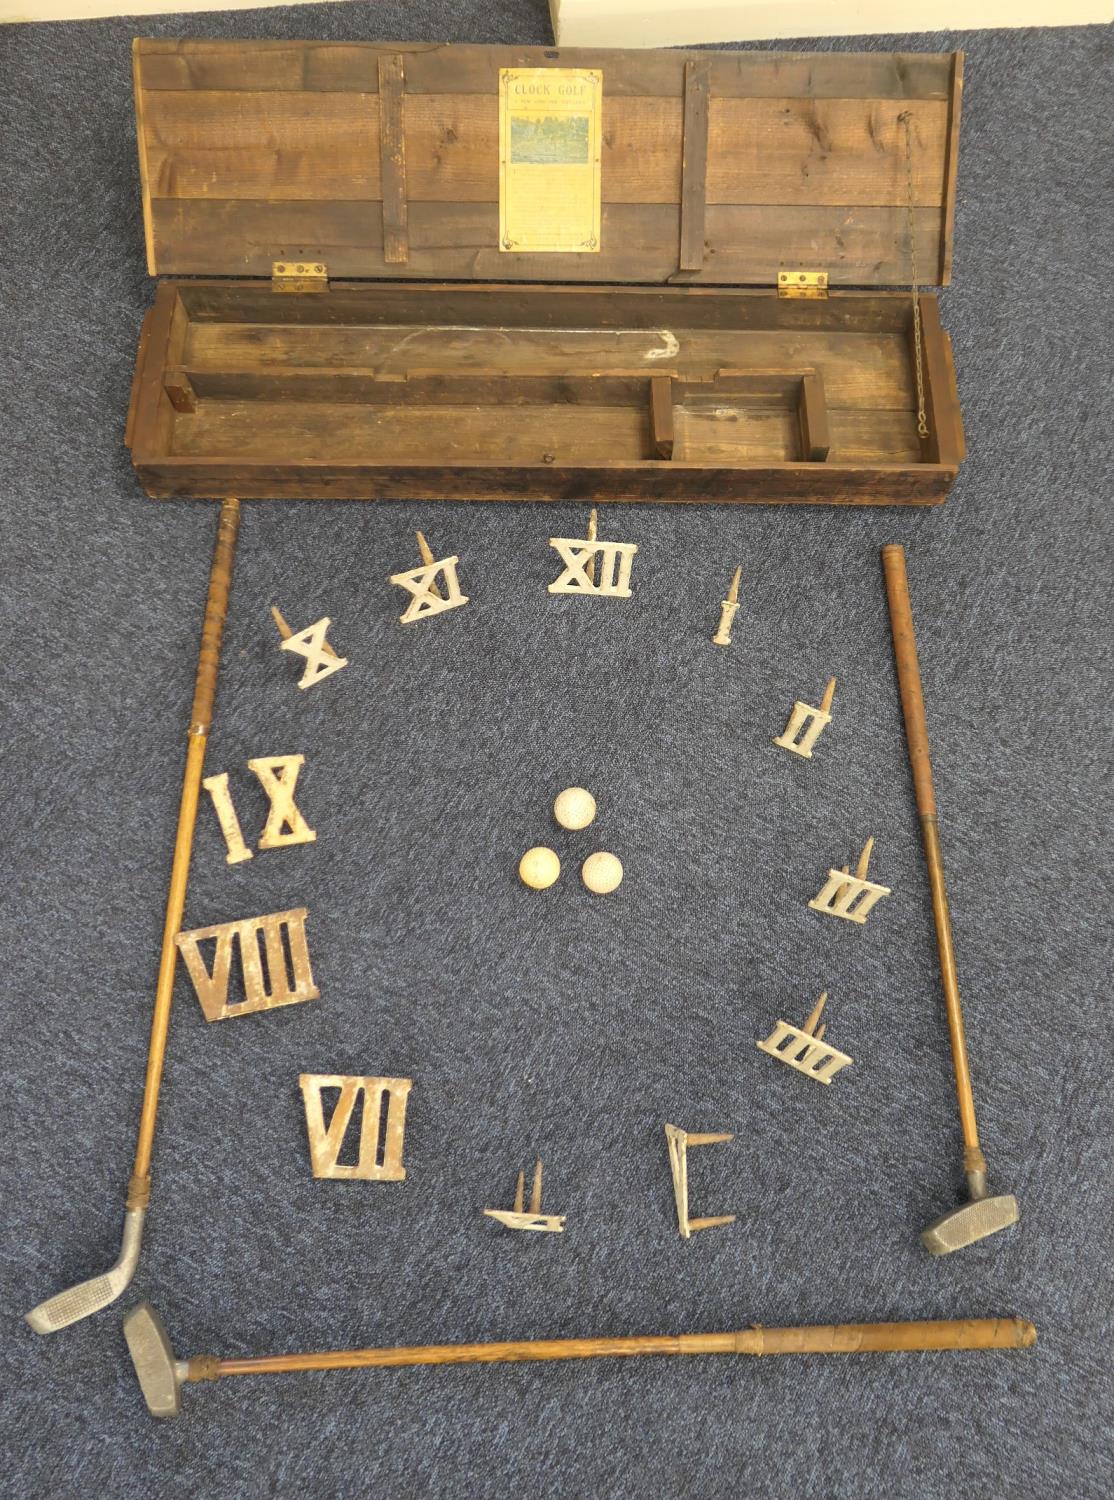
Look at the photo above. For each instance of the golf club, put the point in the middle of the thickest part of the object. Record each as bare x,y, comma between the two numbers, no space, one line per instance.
161,1374
90,1296
982,1215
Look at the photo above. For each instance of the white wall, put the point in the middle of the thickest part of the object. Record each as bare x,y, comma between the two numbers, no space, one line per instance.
679,23
664,23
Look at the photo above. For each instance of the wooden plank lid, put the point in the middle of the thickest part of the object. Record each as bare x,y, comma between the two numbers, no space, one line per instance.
383,160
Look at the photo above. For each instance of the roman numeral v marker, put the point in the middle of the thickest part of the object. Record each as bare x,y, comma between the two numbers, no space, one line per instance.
532,1218
326,1141
679,1142
280,984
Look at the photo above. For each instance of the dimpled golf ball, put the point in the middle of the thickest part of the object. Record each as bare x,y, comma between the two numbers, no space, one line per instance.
602,872
574,807
539,868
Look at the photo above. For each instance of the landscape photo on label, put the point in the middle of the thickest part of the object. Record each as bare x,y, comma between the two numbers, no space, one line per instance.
550,140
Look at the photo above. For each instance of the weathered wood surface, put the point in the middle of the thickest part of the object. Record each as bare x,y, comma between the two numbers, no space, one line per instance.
345,394
745,243
254,152
945,443
499,305
769,483
694,163
209,145
437,67
394,185
858,369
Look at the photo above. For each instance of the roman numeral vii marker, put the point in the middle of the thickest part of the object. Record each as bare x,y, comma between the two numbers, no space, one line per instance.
326,1140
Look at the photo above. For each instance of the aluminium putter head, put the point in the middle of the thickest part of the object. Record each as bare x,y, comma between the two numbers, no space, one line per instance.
970,1222
160,1375
90,1296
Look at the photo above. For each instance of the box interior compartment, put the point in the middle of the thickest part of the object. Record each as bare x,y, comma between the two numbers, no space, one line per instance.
535,376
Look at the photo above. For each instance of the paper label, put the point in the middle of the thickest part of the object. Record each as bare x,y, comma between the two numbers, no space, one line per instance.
549,159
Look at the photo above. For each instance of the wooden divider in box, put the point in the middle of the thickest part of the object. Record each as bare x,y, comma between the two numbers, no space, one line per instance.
382,162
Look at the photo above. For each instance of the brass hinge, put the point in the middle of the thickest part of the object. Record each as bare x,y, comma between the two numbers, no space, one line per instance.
813,284
299,276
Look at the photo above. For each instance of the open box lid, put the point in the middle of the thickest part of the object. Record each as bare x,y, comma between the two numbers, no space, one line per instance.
416,160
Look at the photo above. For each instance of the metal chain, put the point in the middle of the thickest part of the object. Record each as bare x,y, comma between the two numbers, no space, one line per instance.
922,420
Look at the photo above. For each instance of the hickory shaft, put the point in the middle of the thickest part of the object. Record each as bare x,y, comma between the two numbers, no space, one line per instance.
208,662
845,1338
916,734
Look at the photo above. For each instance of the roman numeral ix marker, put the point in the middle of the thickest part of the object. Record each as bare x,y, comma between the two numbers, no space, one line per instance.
281,983
277,775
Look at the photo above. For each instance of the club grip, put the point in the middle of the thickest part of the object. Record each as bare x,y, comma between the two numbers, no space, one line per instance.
216,607
909,677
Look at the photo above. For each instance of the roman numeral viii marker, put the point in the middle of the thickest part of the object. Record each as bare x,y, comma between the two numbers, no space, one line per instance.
325,1141
281,982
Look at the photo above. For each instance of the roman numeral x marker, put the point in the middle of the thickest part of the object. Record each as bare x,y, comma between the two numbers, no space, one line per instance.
285,824
321,660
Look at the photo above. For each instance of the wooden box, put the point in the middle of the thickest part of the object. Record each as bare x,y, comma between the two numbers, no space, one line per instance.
388,272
